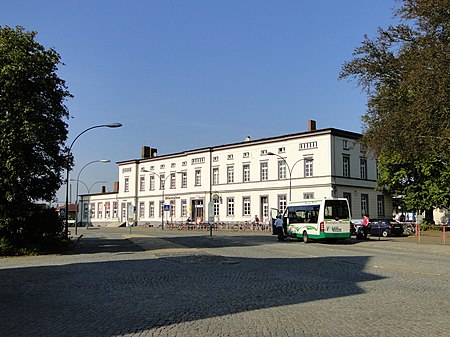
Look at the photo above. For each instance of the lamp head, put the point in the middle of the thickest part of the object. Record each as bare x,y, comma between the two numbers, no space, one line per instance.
104,161
114,125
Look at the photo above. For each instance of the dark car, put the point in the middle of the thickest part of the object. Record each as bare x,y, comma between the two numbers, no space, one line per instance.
354,224
385,227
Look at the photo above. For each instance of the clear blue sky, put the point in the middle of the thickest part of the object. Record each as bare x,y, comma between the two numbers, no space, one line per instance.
187,74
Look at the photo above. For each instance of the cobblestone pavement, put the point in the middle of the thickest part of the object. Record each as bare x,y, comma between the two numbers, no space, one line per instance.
176,283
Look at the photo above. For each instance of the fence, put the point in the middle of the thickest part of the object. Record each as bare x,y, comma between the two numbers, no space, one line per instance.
432,234
219,226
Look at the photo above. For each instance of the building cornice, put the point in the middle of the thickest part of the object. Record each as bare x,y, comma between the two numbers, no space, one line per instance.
305,134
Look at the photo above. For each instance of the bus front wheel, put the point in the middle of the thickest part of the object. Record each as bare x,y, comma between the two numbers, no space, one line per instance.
306,238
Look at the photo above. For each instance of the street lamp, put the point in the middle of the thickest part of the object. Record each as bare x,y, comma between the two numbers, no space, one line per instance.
88,189
112,125
290,169
97,182
103,161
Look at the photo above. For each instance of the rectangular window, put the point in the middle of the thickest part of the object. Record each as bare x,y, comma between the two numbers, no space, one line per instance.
282,202
216,176
183,179
99,210
230,174
172,181
85,210
216,207
346,166
141,210
172,208
345,144
246,173
152,183
161,208
183,208
151,209
115,209
124,211
162,181
93,210
107,210
380,205
364,204
281,169
142,183
127,184
308,195
230,206
363,167
198,177
264,171
265,207
308,167
246,206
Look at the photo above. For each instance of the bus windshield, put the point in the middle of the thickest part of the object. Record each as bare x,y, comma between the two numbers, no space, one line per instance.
336,209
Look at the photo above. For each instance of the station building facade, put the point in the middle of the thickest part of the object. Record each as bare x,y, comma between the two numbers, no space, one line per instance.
236,182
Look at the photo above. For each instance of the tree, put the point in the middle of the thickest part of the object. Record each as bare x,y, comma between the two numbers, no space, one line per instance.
405,72
33,130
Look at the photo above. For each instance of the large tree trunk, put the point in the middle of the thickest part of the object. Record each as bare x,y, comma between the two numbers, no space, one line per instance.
429,216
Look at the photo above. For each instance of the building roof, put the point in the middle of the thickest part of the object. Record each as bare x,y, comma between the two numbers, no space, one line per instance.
331,131
72,207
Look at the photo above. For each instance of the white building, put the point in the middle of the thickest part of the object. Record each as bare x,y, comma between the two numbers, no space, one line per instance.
241,180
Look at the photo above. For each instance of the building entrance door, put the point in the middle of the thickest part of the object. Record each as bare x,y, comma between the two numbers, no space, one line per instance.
198,210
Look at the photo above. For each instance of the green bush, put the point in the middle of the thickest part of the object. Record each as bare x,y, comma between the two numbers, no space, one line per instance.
38,231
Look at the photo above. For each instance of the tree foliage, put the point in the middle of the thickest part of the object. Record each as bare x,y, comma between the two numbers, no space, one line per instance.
33,128
405,72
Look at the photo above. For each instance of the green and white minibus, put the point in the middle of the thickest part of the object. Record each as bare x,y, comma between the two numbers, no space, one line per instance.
312,219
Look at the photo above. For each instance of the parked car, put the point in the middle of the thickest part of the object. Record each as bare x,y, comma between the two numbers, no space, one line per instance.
385,227
354,223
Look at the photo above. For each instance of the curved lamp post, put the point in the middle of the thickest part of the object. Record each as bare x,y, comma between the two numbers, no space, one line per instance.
290,169
112,125
103,161
97,182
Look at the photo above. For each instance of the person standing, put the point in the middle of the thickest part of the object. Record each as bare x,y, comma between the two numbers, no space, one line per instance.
279,228
365,226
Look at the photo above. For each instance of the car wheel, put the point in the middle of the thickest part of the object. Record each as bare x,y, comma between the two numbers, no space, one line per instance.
408,231
306,238
384,233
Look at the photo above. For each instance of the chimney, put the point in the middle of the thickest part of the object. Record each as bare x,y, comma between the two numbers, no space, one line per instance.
116,186
103,189
148,152
311,125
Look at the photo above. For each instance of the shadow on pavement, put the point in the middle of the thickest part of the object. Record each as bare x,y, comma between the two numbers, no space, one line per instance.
88,245
124,297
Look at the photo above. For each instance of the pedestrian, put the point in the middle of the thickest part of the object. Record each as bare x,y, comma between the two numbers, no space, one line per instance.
365,226
255,223
279,228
